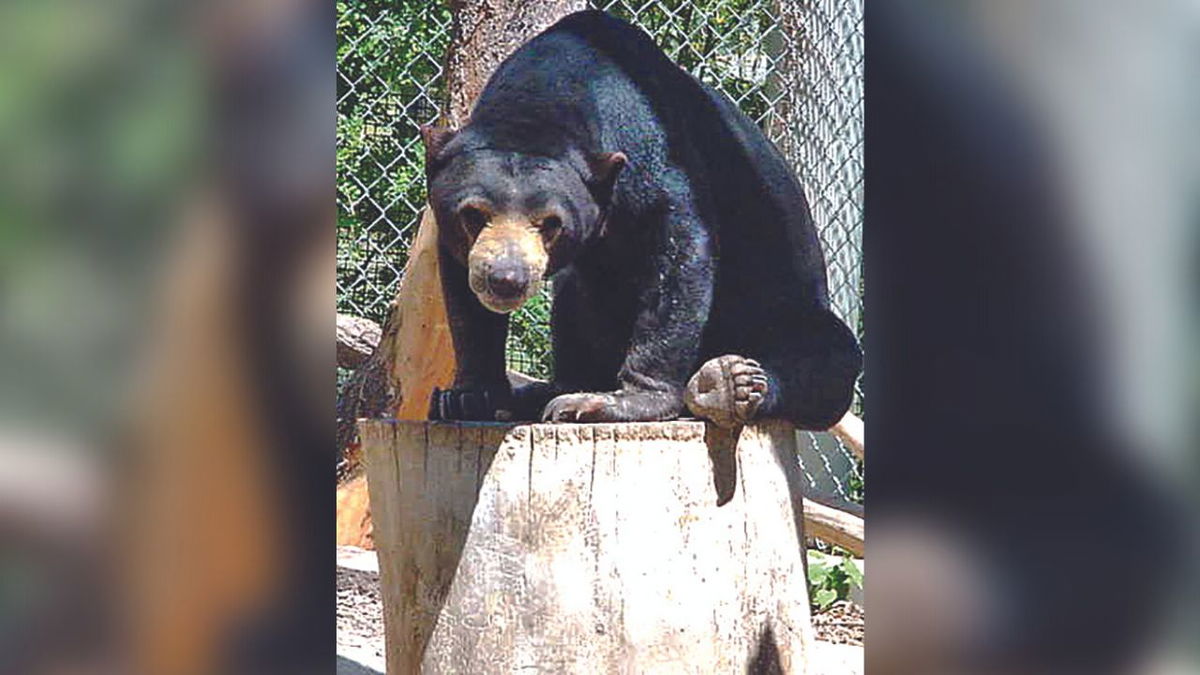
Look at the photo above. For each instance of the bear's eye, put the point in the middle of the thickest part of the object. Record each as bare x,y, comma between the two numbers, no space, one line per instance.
473,219
550,226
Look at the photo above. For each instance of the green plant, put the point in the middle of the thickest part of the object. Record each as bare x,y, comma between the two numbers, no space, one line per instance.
831,578
855,487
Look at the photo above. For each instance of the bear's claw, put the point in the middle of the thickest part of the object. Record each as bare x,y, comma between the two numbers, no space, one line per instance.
584,407
727,390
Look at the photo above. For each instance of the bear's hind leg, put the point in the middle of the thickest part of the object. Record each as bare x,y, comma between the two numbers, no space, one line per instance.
808,381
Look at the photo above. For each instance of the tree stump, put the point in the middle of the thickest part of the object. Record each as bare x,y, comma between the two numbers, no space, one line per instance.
572,548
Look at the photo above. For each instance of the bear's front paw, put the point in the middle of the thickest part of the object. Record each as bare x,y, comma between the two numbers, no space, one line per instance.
470,404
727,390
580,408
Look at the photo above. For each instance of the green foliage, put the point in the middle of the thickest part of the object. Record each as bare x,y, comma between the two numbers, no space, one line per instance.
389,82
855,486
831,578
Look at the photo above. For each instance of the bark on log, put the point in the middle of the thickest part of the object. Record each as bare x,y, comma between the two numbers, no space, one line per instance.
654,547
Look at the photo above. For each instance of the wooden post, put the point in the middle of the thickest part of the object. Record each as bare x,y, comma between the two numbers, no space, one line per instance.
649,547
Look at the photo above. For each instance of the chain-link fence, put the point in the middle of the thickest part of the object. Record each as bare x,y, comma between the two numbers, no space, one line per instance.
794,66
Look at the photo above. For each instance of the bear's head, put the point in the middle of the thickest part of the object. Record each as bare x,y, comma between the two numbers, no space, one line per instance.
514,219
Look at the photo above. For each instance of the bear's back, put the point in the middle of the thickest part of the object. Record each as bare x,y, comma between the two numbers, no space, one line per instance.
596,83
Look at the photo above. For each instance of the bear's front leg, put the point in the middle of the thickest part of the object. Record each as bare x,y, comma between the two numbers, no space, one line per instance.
667,332
481,390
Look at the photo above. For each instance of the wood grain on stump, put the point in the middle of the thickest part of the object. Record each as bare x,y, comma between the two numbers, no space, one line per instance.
651,547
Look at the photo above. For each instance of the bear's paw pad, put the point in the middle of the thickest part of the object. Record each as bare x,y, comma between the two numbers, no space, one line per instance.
727,390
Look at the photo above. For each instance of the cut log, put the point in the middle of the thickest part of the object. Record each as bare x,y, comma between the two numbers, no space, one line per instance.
651,547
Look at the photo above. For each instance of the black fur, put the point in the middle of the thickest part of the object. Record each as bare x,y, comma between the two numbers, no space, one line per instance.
702,246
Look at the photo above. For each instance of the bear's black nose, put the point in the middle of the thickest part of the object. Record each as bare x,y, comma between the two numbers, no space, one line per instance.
508,281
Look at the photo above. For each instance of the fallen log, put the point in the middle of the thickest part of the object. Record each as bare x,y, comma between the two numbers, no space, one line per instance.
356,340
841,525
589,548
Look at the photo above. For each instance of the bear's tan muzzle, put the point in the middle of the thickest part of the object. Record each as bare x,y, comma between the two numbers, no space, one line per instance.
506,264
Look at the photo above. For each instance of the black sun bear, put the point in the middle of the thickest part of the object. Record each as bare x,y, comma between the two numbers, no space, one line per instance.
679,243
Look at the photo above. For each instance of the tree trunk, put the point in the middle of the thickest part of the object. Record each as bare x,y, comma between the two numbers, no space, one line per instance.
653,547
485,33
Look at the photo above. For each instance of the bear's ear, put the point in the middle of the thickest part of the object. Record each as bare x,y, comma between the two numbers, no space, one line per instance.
435,138
604,168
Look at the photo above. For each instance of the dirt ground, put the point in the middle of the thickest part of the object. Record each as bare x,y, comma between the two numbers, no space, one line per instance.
841,623
360,614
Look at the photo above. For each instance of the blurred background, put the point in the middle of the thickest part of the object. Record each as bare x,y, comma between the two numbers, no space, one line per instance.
168,248
165,337
1030,243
